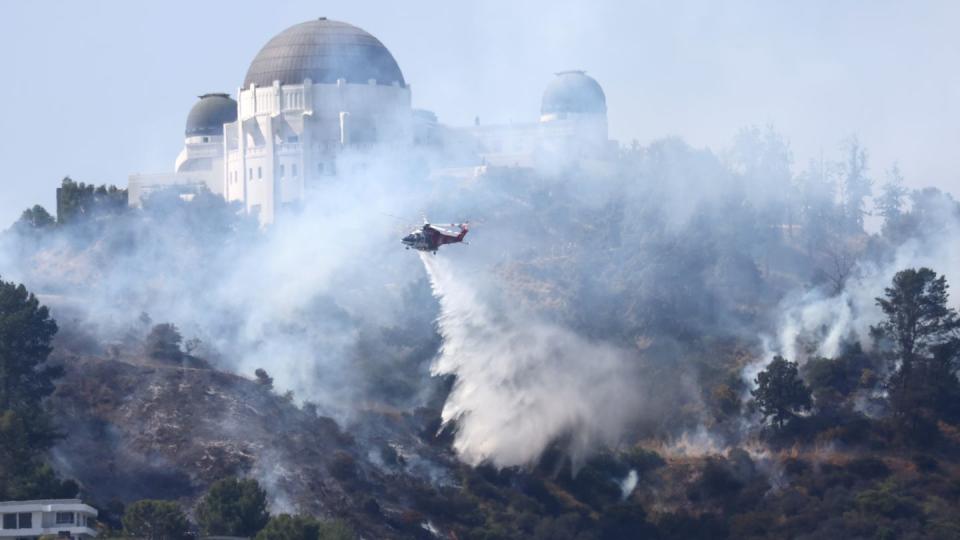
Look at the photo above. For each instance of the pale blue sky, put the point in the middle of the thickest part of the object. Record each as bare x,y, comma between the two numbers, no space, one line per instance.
98,89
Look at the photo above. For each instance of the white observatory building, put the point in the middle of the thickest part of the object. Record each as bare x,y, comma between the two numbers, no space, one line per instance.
316,90
200,163
572,128
573,115
324,92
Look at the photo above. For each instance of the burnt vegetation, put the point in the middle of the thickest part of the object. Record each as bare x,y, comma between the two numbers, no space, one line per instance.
680,257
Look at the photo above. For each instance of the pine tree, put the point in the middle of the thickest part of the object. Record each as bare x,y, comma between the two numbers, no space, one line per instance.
921,333
780,392
233,507
26,429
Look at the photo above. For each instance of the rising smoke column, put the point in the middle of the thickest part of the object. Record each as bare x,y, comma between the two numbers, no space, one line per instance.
813,323
522,384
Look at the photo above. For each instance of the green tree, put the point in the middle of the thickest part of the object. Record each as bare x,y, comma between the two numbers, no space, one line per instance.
918,320
780,392
163,342
34,218
921,332
26,429
156,520
287,527
233,507
78,201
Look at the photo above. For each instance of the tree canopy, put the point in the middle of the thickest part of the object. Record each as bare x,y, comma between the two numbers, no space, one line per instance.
163,342
35,218
921,332
26,429
918,321
780,392
156,520
79,201
287,527
233,507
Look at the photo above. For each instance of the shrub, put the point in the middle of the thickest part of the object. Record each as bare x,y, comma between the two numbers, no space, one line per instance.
233,507
884,502
287,527
156,520
163,343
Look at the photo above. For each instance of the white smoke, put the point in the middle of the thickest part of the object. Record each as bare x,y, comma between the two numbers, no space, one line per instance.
522,383
695,443
628,484
813,323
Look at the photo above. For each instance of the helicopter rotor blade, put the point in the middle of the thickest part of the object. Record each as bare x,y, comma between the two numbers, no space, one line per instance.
398,218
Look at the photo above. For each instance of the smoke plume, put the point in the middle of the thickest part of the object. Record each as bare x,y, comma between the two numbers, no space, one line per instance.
522,383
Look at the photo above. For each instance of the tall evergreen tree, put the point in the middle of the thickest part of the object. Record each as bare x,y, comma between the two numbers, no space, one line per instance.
857,186
26,429
918,319
923,335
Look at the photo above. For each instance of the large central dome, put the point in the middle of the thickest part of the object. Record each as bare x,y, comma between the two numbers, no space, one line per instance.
323,51
573,92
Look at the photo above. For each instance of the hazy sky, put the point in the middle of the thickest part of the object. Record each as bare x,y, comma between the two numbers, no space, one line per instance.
98,90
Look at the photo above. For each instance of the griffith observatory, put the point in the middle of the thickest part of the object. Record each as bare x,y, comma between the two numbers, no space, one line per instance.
323,90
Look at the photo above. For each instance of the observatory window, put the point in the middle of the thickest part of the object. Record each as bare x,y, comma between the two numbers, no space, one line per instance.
293,170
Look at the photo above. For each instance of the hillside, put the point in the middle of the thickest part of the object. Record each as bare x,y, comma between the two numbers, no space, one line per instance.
673,347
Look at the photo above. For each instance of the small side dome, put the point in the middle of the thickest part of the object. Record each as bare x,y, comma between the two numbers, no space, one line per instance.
209,115
573,92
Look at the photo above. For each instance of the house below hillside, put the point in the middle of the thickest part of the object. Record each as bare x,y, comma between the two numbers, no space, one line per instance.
63,518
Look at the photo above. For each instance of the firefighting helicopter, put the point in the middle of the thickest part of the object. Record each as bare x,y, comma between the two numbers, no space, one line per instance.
430,236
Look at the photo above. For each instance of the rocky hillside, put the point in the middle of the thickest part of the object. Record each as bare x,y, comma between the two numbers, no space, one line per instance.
137,428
